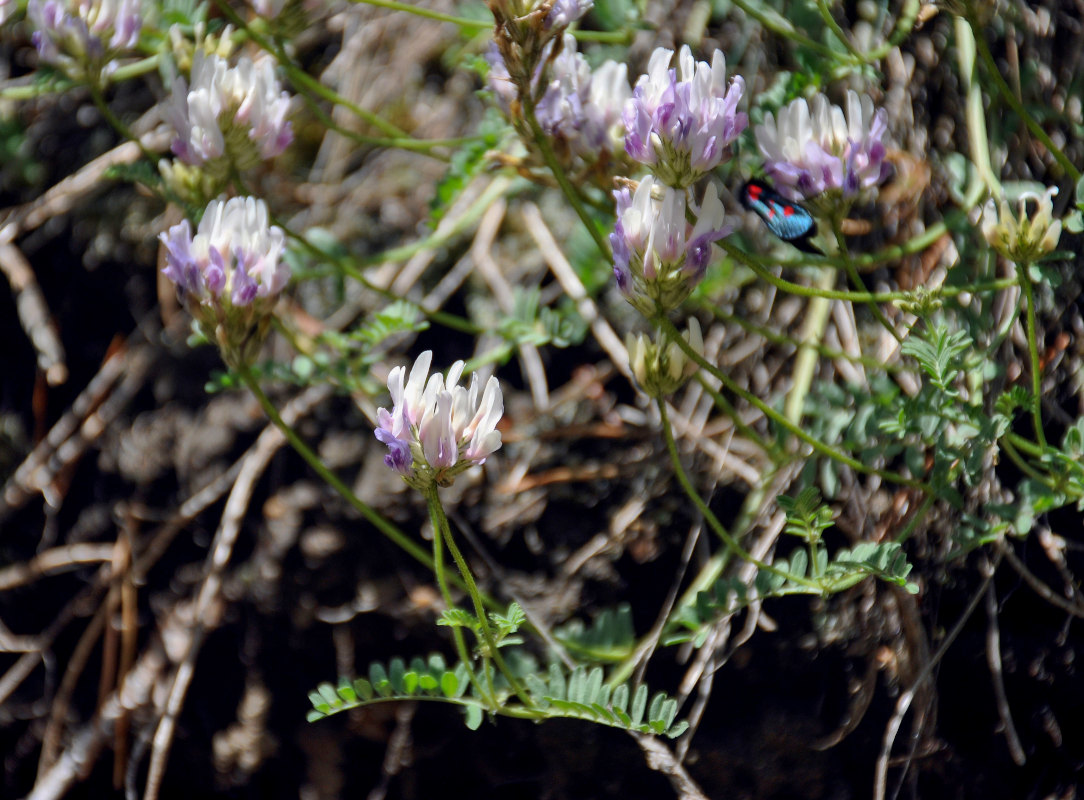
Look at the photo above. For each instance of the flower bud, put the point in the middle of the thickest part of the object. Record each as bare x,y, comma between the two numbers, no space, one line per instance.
662,370
1018,237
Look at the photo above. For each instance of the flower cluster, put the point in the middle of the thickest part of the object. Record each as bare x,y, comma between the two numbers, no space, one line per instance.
681,129
663,369
658,256
1020,237
6,9
84,37
230,272
813,148
526,33
436,428
231,115
579,109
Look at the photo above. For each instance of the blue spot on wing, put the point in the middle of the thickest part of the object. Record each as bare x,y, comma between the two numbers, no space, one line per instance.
787,220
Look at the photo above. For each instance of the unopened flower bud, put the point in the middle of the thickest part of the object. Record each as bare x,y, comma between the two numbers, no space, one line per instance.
662,370
1020,237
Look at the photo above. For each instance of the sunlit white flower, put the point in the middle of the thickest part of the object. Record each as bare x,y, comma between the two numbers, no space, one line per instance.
437,428
234,257
237,112
658,256
84,37
811,148
7,8
1018,236
681,128
229,273
662,370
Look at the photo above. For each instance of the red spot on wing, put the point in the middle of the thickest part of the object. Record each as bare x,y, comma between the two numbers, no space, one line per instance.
788,211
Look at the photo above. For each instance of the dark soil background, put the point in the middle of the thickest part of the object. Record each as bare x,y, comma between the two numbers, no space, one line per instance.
129,462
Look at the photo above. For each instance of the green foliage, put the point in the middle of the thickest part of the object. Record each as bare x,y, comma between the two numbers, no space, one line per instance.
467,161
611,636
530,324
584,694
807,517
556,693
429,678
503,626
801,574
341,359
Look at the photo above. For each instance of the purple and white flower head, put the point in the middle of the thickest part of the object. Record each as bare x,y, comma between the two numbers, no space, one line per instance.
527,36
658,256
436,428
84,37
233,115
1022,237
230,272
681,128
561,112
816,147
579,110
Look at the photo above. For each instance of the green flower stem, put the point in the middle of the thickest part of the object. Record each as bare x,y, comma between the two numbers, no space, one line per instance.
780,338
905,23
461,22
805,363
773,450
444,529
779,419
709,517
403,143
1024,445
778,24
302,79
573,197
856,280
622,37
1014,103
436,515
388,529
116,123
352,267
1033,353
974,112
1022,463
916,518
844,39
135,69
708,574
855,297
